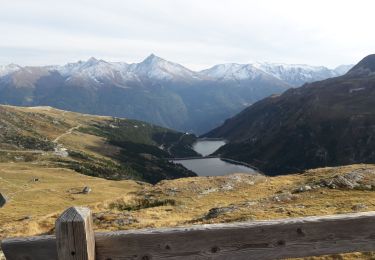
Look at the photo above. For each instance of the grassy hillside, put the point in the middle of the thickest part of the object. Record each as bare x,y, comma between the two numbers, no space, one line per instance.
35,192
48,157
117,205
106,147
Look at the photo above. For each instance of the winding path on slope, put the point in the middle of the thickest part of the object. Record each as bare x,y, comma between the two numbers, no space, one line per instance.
68,132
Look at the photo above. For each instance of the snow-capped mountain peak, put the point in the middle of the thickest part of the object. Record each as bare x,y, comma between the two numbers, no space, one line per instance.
93,69
298,74
152,58
154,67
233,71
92,61
7,69
292,74
80,66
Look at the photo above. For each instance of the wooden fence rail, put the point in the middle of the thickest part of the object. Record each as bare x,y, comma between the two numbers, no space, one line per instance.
275,239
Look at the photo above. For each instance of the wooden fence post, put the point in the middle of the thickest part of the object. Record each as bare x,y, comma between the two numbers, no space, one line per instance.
74,234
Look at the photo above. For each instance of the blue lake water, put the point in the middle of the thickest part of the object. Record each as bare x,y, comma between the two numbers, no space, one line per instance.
212,166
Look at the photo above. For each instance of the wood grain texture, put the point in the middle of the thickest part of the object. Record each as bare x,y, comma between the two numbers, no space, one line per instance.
276,239
75,235
30,248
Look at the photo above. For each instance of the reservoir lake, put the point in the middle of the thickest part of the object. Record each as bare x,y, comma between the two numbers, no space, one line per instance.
211,166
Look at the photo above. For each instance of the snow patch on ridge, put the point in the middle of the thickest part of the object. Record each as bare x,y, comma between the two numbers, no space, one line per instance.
233,71
8,69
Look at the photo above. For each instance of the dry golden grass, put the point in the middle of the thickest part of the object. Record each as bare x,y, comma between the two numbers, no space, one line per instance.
62,120
251,197
90,144
121,204
33,205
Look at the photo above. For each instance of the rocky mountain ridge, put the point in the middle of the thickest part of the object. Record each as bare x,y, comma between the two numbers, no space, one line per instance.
155,90
154,67
325,123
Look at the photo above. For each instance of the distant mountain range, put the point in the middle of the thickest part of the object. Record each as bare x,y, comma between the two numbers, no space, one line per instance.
325,123
293,75
155,90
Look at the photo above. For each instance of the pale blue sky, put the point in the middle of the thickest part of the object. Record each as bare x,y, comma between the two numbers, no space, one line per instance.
195,33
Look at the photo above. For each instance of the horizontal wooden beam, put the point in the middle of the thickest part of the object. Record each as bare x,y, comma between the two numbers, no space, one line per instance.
41,247
275,239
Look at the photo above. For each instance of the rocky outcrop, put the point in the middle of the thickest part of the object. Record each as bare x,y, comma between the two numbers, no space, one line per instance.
216,212
363,179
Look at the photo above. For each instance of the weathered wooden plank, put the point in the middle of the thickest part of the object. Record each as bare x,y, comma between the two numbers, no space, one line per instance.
275,239
75,235
30,248
254,240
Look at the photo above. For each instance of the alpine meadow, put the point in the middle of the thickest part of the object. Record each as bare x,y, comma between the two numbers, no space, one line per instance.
237,130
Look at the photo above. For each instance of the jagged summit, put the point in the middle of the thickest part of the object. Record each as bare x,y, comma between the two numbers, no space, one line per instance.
92,60
151,62
152,58
154,67
93,70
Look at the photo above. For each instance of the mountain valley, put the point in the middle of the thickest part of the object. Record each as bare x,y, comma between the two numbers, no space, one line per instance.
324,123
155,90
52,159
181,130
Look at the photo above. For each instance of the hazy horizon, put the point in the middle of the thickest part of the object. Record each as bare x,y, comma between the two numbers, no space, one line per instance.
188,67
193,33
